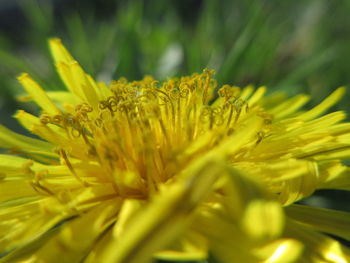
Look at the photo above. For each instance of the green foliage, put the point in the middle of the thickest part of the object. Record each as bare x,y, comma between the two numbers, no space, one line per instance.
290,44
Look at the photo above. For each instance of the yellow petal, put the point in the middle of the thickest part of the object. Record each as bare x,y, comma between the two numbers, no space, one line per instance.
63,97
17,165
66,75
78,83
336,176
276,171
300,187
334,154
232,144
10,139
236,199
53,134
22,253
281,251
129,208
104,91
258,94
246,92
178,256
83,83
162,220
190,247
263,219
317,247
323,220
59,52
38,94
74,77
288,107
16,189
76,237
97,250
324,105
22,224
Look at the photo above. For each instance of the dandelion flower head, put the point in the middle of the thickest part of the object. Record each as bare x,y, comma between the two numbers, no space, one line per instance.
182,169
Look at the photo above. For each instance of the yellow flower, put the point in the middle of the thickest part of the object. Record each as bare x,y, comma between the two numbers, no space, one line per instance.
139,170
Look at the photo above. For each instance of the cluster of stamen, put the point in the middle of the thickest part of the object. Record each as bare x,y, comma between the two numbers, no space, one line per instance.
144,127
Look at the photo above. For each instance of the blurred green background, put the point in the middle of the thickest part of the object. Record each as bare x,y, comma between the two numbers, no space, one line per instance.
296,46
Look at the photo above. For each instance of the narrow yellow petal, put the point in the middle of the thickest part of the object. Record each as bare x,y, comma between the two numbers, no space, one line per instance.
21,224
232,144
276,171
324,105
300,187
246,92
92,195
76,237
72,74
226,241
334,154
104,91
82,82
258,94
23,253
97,250
58,97
324,220
53,134
280,251
317,247
59,52
11,163
38,94
339,129
10,139
16,189
128,209
171,255
335,175
190,247
65,73
78,83
288,107
63,97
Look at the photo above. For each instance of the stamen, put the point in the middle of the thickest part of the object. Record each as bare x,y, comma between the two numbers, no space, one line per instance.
260,136
143,126
45,119
71,168
207,74
37,185
228,92
230,114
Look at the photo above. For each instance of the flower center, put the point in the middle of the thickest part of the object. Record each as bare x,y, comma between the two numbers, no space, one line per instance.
143,134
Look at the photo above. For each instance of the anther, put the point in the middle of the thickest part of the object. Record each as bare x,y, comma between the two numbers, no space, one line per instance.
45,119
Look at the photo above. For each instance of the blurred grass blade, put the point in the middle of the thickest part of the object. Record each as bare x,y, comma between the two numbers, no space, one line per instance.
39,15
311,65
231,63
